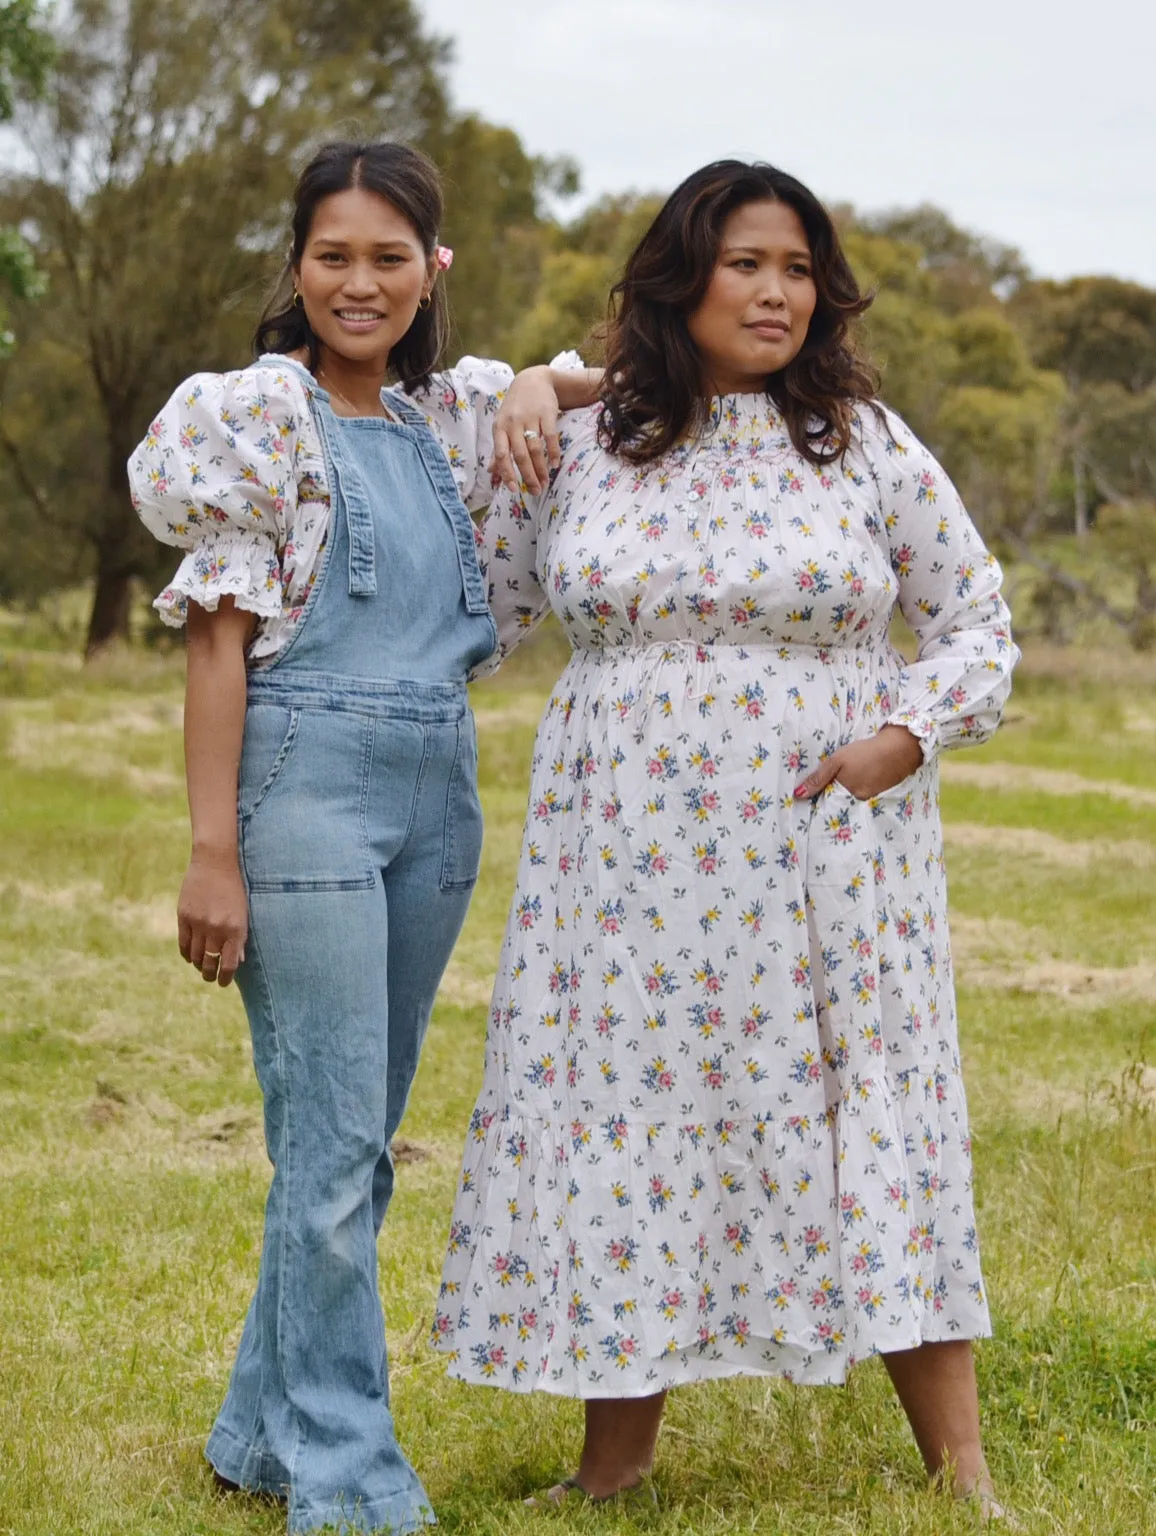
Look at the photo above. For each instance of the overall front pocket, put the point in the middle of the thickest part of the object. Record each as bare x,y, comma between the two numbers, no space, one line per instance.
303,819
462,850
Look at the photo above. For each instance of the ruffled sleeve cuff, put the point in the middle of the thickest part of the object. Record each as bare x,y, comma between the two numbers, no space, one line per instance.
922,726
243,566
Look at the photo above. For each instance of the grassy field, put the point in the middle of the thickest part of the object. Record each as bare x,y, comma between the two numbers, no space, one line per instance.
132,1172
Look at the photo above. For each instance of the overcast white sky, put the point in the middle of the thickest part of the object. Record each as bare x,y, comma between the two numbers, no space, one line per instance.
1031,121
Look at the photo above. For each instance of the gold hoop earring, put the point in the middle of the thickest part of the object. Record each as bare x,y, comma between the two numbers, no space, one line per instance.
297,304
426,302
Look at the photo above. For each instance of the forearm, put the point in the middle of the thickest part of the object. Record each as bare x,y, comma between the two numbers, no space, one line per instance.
215,724
575,387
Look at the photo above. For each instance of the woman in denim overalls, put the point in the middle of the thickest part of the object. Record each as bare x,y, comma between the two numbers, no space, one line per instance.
336,609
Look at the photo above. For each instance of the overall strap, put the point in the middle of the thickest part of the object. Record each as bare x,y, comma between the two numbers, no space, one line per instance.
349,491
437,467
346,488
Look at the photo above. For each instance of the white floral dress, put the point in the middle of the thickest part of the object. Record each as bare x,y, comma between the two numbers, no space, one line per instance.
722,1126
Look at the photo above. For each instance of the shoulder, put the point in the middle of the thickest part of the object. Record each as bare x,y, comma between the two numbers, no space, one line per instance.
472,383
262,390
578,430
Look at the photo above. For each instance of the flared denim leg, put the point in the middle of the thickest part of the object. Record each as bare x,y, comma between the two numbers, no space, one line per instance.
307,1411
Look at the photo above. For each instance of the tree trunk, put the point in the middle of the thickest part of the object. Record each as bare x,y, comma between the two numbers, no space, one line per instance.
118,555
1081,476
111,601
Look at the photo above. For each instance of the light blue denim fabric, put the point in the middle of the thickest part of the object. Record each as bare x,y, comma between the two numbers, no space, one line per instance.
360,832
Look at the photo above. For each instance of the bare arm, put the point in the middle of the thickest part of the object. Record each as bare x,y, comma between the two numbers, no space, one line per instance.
212,913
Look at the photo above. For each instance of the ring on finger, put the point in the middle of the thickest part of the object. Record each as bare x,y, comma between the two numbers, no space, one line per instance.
530,435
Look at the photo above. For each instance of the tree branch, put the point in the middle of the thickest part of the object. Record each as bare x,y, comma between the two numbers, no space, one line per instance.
1065,579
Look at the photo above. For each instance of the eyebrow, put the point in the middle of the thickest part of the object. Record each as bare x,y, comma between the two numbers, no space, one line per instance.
400,243
761,250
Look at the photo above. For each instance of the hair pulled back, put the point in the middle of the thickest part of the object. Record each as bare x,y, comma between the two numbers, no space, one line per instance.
653,392
407,179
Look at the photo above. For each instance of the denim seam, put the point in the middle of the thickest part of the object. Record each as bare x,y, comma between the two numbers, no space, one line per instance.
278,763
448,835
283,1086
419,785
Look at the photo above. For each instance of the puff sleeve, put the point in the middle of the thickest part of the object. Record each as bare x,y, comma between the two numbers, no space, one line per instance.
954,692
215,475
460,405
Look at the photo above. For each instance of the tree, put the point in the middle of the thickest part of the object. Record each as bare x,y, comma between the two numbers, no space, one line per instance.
165,149
25,54
1093,331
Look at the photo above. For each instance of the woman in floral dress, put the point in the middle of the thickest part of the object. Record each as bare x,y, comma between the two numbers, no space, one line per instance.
722,1127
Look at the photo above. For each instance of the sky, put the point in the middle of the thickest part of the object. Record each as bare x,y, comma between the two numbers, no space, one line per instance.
1029,121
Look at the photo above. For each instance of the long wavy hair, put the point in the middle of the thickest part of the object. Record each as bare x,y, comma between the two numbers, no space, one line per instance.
652,396
407,179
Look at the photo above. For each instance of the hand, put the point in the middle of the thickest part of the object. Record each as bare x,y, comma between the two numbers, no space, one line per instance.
867,768
531,405
213,916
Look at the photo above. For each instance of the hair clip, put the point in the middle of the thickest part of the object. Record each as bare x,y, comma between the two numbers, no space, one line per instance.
444,257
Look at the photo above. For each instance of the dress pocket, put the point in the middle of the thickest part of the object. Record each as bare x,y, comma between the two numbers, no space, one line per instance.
462,851
304,826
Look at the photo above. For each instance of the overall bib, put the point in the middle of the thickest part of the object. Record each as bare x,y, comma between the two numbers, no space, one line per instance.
360,835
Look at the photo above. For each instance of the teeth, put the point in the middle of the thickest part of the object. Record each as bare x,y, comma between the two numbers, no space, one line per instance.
358,314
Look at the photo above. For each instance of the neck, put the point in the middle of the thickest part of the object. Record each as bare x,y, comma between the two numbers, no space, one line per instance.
360,382
744,384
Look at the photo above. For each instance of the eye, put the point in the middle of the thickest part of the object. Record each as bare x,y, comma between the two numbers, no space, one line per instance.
799,269
745,264
391,259
329,257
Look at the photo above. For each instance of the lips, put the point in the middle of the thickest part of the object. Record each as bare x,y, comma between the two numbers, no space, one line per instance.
358,322
771,330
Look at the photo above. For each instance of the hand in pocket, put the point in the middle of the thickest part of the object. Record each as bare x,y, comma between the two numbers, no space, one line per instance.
867,768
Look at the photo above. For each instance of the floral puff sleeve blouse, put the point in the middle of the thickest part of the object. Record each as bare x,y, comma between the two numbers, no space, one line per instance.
232,471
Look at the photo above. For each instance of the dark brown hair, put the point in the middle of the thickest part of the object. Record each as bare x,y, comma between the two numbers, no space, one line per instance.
653,391
407,179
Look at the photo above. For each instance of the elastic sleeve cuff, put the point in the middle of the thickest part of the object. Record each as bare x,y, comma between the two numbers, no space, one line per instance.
244,568
922,727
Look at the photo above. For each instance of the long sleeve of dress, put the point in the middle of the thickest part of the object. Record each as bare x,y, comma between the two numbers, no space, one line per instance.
216,476
460,405
949,593
508,555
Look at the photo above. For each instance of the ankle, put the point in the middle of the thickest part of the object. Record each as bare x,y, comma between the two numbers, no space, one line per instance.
964,1476
603,1481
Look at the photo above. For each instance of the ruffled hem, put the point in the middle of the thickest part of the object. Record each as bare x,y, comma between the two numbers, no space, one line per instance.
572,1267
245,569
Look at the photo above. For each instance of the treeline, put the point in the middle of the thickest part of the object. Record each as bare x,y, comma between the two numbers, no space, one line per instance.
163,147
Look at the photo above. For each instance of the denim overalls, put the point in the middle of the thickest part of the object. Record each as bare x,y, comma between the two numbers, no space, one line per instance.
360,835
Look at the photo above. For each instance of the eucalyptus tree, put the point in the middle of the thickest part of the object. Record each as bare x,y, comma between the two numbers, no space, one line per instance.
163,150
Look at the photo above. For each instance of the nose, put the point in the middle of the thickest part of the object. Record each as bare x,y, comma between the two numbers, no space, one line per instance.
771,292
361,279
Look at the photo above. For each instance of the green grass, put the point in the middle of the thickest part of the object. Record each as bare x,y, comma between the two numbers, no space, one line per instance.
132,1173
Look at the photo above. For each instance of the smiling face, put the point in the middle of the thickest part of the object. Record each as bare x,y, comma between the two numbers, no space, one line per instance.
754,315
362,275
